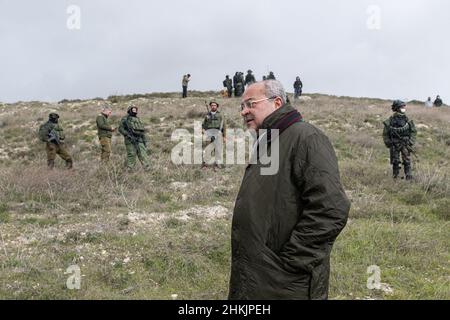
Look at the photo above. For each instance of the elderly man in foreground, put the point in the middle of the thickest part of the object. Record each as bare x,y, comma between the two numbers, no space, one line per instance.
285,224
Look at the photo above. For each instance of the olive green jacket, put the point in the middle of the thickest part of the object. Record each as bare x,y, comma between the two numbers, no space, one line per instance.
284,225
104,126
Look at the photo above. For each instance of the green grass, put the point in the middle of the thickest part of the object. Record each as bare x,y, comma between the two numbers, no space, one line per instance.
148,235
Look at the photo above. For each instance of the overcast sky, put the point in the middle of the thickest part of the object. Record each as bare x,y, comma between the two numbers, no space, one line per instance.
337,47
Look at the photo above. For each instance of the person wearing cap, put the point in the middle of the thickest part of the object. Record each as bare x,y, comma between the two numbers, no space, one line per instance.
105,131
135,138
399,135
184,84
53,135
214,129
249,78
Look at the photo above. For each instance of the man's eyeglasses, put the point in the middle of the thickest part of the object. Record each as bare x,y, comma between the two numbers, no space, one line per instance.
251,104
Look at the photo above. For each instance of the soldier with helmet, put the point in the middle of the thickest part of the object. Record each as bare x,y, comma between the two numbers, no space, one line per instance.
135,138
249,78
53,135
399,135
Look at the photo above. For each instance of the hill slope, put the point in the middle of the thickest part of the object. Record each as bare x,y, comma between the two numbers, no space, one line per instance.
167,231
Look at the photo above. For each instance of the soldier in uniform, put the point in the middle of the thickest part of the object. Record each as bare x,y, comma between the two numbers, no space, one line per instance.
399,136
135,138
239,86
438,102
105,131
271,76
228,83
298,86
52,134
213,126
249,78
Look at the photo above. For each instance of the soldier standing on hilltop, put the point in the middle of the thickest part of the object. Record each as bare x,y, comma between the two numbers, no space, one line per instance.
213,126
249,78
228,83
52,133
238,80
298,86
105,131
438,102
399,136
184,83
135,138
271,76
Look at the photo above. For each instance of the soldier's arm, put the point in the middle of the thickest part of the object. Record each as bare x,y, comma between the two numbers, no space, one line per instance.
413,131
122,129
386,136
60,130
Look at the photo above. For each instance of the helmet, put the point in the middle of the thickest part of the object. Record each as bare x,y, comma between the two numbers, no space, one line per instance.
53,116
131,107
249,71
397,105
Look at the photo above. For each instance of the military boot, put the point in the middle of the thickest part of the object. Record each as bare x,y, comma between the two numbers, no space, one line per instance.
395,171
408,173
51,164
69,164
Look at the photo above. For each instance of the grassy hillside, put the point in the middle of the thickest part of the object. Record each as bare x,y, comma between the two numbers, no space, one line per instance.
154,234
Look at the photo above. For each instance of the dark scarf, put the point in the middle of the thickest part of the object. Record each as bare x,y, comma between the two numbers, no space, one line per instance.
281,119
285,122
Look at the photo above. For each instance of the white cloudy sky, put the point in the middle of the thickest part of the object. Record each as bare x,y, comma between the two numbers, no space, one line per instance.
139,46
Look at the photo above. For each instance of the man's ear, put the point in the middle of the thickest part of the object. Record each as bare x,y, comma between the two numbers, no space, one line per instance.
278,103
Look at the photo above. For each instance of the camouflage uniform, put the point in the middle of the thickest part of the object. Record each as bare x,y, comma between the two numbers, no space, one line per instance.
213,124
135,140
298,86
399,135
271,76
249,78
105,131
53,134
228,83
238,80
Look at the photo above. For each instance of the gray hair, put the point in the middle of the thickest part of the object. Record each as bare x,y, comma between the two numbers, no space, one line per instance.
106,108
274,88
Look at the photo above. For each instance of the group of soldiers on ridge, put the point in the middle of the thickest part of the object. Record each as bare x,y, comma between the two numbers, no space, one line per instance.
131,128
238,83
399,133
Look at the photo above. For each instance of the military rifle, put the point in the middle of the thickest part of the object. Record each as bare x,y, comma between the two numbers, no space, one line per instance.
132,136
53,137
407,144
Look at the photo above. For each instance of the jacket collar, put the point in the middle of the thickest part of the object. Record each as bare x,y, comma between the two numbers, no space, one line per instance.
277,115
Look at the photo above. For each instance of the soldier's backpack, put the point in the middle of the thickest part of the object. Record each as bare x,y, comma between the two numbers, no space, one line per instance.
43,132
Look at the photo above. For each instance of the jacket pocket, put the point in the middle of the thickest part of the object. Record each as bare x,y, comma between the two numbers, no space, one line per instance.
273,281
